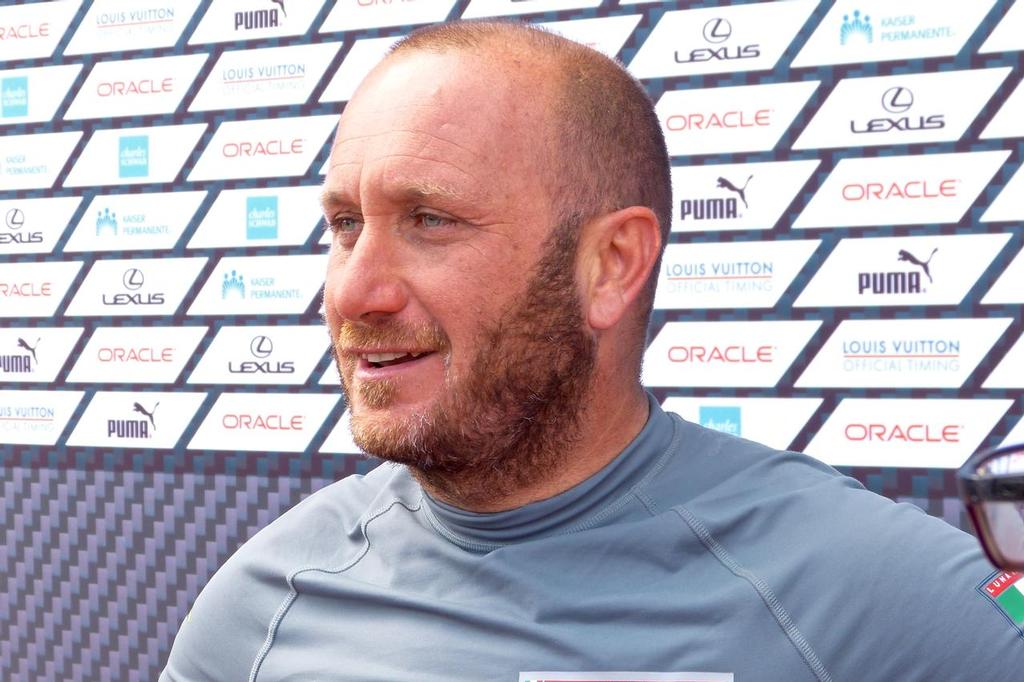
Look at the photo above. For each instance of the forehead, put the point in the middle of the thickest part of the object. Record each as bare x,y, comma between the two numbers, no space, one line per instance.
444,119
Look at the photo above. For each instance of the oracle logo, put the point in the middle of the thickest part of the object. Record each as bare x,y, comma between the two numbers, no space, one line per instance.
260,422
731,119
144,86
906,433
725,354
25,289
23,31
147,355
911,189
232,150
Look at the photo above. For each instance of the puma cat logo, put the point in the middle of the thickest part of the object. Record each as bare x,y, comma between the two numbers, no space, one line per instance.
22,343
742,191
140,408
910,258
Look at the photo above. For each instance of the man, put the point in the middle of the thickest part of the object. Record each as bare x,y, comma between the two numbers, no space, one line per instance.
499,198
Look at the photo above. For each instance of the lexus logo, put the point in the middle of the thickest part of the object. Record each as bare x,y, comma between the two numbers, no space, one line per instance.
15,218
261,346
133,279
897,100
717,31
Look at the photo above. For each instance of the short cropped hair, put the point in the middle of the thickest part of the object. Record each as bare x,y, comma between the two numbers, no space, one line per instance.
612,151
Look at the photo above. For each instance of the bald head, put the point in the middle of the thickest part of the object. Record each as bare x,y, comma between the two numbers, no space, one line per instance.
603,144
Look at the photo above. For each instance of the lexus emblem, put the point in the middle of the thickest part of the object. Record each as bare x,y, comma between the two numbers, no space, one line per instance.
897,100
261,346
133,279
15,218
717,31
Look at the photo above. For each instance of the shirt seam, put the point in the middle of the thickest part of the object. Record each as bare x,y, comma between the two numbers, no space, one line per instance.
293,593
775,607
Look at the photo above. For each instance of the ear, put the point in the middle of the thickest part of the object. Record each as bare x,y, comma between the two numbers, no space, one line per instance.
616,254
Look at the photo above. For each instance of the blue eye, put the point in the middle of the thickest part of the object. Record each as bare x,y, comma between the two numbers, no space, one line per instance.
344,224
433,220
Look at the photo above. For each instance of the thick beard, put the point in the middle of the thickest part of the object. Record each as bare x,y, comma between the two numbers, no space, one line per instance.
513,420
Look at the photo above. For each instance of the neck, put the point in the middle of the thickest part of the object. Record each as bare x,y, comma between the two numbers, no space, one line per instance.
608,420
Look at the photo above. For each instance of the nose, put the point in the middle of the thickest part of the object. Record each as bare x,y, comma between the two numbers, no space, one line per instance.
364,283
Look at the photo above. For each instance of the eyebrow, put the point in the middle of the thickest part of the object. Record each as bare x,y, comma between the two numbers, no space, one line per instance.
418,191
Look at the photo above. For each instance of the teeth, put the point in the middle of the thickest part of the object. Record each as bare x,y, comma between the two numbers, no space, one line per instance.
383,357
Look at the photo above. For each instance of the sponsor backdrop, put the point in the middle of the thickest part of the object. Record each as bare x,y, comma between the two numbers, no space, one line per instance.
845,274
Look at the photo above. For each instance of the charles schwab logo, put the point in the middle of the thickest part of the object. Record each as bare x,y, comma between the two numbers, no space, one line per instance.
898,100
142,427
724,418
133,280
24,361
14,221
908,281
261,347
730,202
716,33
133,156
261,217
14,96
268,17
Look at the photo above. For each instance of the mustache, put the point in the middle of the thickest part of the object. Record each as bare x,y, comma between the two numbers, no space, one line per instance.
390,335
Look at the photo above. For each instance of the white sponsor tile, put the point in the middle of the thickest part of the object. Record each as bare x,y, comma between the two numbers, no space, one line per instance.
279,354
901,190
268,216
135,355
34,161
856,31
33,30
263,422
720,39
133,156
742,275
150,286
736,196
34,225
35,417
30,95
888,271
933,433
1007,121
136,87
271,76
35,289
266,148
231,20
118,419
1009,288
35,354
339,440
936,353
360,60
116,25
903,109
1016,434
724,353
353,15
1009,373
775,422
743,118
261,285
607,35
127,222
330,377
505,8
1008,35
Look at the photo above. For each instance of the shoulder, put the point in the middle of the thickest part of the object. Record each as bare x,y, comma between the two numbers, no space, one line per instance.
862,577
228,623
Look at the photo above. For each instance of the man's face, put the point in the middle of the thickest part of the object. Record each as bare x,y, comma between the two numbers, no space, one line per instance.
450,299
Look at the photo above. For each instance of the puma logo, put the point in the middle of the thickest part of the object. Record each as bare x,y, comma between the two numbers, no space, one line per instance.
742,191
910,258
141,409
22,343
281,4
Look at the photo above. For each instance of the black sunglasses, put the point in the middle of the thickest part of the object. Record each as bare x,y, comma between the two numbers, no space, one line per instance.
991,486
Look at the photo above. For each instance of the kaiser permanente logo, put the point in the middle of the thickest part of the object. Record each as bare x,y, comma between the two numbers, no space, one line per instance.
261,218
14,97
133,156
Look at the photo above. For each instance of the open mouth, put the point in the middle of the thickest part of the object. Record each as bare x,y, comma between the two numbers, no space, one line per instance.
389,359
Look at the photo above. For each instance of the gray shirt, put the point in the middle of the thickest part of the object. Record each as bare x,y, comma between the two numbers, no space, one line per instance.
693,551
